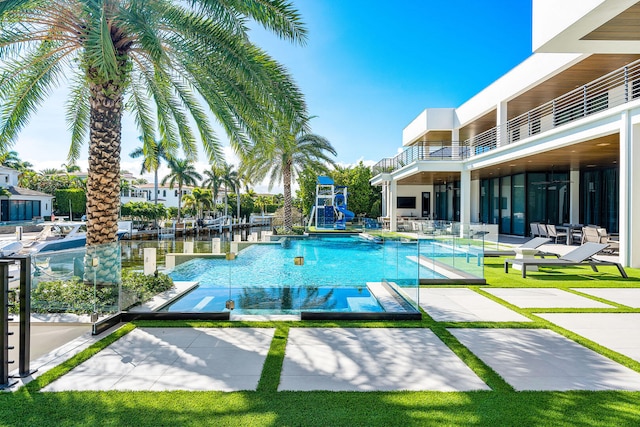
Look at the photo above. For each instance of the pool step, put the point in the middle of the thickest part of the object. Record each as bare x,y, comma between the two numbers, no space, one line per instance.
363,304
388,301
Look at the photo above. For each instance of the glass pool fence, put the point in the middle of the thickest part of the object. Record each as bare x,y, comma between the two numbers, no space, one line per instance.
373,272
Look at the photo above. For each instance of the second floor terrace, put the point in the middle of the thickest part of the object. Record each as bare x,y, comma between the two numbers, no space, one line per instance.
608,91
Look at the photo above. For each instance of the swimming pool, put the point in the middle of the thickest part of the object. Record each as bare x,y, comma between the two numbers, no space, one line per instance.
333,276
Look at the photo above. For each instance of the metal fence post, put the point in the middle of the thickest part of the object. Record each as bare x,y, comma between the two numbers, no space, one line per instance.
25,317
4,325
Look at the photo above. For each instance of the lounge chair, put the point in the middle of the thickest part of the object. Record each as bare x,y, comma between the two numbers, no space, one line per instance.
531,244
582,255
534,243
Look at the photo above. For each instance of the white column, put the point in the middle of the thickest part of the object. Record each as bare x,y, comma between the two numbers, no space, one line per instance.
385,198
215,245
393,193
465,202
629,189
149,261
501,123
475,201
574,194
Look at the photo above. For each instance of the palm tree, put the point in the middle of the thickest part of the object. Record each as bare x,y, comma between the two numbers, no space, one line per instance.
182,173
213,183
262,201
153,152
229,179
202,199
290,149
157,59
54,171
70,168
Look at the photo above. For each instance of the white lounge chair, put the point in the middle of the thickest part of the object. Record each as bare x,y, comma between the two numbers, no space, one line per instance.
582,255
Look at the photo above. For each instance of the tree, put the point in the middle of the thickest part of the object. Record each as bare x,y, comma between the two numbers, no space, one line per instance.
222,175
290,149
182,173
229,178
202,200
213,182
261,202
152,153
156,59
70,168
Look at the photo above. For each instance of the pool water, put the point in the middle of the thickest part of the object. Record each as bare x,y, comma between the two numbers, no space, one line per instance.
333,276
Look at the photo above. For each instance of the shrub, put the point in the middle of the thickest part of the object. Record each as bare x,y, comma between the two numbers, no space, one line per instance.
137,287
72,296
75,296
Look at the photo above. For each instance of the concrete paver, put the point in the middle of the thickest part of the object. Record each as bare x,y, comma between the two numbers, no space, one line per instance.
224,359
464,305
382,359
625,296
540,359
617,331
544,298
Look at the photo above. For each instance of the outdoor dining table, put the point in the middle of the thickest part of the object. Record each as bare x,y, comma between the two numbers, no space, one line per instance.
570,229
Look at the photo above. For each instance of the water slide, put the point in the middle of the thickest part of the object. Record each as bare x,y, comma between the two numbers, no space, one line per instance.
344,214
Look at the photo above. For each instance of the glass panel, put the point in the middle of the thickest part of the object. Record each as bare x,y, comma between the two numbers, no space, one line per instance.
295,275
537,197
485,199
495,201
610,183
519,204
80,282
505,205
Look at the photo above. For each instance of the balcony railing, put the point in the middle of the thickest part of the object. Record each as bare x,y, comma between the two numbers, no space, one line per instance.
432,150
609,91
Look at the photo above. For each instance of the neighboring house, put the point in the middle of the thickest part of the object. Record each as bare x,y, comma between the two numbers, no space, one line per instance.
167,196
554,140
23,204
132,192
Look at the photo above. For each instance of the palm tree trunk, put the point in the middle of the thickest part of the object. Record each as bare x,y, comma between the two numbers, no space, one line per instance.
103,185
179,201
238,202
155,198
286,178
103,181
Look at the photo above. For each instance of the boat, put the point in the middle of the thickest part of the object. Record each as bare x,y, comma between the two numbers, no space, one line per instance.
59,236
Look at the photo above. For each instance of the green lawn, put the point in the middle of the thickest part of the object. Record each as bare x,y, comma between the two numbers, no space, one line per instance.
266,407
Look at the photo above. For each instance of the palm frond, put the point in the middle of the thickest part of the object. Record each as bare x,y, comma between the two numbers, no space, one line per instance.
78,113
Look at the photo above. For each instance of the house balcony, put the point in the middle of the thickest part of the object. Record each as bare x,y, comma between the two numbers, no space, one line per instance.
606,92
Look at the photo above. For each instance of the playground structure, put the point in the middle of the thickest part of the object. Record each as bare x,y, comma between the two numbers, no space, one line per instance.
330,208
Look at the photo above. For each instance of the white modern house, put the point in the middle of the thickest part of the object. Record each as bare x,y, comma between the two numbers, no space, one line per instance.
555,140
166,195
22,204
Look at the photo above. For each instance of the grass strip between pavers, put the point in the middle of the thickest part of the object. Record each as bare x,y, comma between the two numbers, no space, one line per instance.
270,378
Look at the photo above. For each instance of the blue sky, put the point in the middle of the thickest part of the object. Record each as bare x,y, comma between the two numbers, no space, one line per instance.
368,69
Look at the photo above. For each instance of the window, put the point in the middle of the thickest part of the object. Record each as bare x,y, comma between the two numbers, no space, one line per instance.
164,193
406,202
